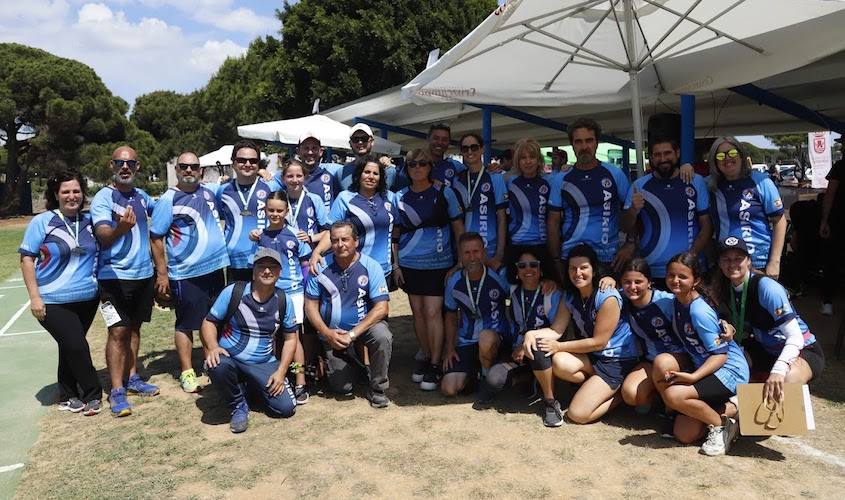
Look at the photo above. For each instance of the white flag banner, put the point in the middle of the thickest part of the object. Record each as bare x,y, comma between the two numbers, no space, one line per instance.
819,148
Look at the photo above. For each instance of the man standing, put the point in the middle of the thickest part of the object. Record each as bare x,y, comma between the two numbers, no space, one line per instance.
586,200
346,302
361,142
320,178
832,232
444,169
189,270
124,272
670,215
239,336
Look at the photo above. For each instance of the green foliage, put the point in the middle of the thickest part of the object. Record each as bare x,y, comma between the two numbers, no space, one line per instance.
793,147
94,158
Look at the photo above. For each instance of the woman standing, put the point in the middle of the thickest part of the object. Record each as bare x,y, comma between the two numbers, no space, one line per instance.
306,215
429,218
58,254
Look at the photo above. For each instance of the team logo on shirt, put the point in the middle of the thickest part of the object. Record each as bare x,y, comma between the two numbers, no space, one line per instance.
544,189
363,280
261,194
688,329
207,195
780,311
449,173
540,310
657,322
485,187
387,206
606,183
290,244
325,178
494,294
748,194
310,211
690,191
778,203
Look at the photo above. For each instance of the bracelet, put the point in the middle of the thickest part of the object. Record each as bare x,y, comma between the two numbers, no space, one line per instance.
394,239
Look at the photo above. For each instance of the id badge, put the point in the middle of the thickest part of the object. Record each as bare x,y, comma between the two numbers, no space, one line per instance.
110,315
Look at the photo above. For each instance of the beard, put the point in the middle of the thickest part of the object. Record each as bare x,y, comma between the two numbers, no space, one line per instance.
125,182
665,169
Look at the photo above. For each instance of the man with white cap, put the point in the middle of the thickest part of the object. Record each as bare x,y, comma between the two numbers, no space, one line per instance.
361,141
320,178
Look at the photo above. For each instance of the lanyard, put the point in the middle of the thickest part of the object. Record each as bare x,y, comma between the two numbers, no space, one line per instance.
293,215
477,298
530,307
241,194
473,187
76,234
738,320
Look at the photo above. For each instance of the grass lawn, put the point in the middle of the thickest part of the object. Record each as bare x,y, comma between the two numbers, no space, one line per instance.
10,240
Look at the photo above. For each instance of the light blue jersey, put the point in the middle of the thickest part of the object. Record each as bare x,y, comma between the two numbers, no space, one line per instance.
622,344
190,224
742,208
652,323
65,251
590,202
491,292
697,325
239,218
322,181
528,207
292,251
532,310
480,199
374,219
128,258
669,220
425,219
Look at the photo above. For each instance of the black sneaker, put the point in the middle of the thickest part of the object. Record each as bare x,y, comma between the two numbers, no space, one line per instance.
431,379
420,369
667,425
484,396
92,408
377,399
301,394
73,405
553,416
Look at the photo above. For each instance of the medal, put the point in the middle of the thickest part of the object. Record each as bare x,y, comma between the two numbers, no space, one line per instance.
246,213
76,250
529,309
475,299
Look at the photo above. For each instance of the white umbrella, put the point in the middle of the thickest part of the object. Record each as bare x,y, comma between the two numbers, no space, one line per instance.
222,156
562,52
332,134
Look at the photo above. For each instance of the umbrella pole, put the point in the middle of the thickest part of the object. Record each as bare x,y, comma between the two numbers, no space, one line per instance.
635,85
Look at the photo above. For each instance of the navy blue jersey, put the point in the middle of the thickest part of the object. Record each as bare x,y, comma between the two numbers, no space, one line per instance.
239,218
532,310
528,206
292,251
425,219
622,344
491,293
480,205
374,219
307,213
128,258
652,323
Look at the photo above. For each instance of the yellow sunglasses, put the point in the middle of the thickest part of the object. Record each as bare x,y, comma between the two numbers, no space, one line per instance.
721,155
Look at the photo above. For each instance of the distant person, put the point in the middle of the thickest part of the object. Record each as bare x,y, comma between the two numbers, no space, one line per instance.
189,252
120,213
832,232
239,342
361,141
560,160
320,178
445,169
58,254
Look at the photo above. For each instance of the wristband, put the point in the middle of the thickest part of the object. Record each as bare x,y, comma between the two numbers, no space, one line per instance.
394,239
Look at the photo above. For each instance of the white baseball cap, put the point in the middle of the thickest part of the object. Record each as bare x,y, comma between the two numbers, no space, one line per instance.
308,134
363,127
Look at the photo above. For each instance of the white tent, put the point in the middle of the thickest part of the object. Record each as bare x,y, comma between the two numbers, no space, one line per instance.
332,134
222,156
561,52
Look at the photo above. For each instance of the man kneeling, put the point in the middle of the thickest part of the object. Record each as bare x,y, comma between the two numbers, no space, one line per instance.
239,336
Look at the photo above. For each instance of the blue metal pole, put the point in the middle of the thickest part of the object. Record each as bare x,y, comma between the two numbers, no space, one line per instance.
383,133
687,129
487,133
626,160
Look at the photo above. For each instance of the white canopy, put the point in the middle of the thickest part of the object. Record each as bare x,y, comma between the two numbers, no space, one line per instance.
332,134
222,156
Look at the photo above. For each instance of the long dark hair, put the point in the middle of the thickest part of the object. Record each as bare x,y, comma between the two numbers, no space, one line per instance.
690,260
55,182
362,162
581,250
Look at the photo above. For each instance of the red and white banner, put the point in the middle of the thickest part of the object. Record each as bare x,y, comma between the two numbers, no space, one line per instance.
820,160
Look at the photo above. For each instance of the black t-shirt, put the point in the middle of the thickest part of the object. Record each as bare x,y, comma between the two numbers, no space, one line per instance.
837,212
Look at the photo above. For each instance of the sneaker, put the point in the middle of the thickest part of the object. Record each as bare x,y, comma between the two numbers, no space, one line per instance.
431,379
188,381
667,425
301,394
715,443
73,405
553,416
420,369
826,309
92,408
119,406
484,396
377,399
240,418
136,385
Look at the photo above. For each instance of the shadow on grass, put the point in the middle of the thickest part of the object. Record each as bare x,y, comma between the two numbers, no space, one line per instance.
746,447
48,395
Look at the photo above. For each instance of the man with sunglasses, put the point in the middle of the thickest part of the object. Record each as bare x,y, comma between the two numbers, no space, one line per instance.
361,142
320,178
189,251
124,271
347,303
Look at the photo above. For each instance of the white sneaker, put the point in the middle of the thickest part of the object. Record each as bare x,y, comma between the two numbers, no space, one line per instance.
715,443
826,309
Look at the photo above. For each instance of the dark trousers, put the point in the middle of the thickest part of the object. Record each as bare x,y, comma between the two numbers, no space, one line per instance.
341,366
231,375
68,324
831,252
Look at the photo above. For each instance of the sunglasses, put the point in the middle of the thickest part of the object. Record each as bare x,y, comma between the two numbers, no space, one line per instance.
732,153
120,163
188,166
470,147
359,139
418,163
244,161
532,264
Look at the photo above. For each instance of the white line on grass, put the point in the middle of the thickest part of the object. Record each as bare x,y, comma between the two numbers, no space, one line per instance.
15,279
9,468
23,333
12,287
809,450
14,318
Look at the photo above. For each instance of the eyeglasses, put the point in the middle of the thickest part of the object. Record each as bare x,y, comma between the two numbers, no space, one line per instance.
532,264
244,161
270,266
418,163
359,139
732,153
188,166
470,147
120,163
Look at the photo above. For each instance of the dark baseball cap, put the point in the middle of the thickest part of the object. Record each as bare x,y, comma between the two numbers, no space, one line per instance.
733,243
267,253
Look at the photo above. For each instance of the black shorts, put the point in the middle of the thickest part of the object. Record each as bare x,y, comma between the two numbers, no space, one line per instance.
132,299
194,297
428,282
762,361
612,370
233,275
712,391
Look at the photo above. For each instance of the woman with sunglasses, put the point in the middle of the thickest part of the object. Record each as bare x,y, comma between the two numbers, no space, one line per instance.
483,197
371,208
429,219
58,255
748,203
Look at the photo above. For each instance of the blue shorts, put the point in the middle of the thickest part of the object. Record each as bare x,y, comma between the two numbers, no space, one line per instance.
193,298
612,370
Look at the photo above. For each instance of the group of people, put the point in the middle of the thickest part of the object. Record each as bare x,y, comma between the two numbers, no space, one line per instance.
278,271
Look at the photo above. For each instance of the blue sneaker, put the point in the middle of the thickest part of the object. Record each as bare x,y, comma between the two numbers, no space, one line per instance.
120,407
240,418
136,385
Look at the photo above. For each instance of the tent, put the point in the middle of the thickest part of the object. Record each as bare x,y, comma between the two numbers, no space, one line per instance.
555,53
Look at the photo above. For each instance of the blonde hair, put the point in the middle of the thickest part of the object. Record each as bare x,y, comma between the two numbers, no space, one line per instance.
528,147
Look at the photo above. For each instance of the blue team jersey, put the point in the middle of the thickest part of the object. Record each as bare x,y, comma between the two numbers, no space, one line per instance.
322,182
249,335
128,258
481,205
652,323
292,251
373,218
425,219
742,208
347,296
622,344
344,176
237,223
190,222
491,313
669,220
531,310
307,213
697,326
64,262
589,202
528,205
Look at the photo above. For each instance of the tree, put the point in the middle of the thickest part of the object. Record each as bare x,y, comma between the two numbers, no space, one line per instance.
49,108
793,148
175,121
